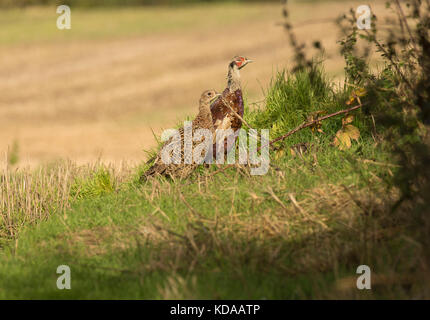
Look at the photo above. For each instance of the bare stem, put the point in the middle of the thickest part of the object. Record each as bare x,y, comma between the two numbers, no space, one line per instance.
308,124
405,22
235,113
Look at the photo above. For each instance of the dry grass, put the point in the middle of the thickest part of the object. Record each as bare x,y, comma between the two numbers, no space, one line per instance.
332,225
320,234
29,196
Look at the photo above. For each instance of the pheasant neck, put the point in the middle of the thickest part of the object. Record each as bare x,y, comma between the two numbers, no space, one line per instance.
205,114
233,78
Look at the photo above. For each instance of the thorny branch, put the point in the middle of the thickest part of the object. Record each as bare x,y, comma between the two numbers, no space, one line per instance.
308,124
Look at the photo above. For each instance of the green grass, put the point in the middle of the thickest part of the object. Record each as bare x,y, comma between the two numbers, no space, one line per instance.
298,232
97,184
102,236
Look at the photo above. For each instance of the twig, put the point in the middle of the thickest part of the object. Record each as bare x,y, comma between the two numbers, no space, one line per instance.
255,134
181,196
356,201
389,57
235,113
304,213
308,124
220,170
406,24
379,163
276,198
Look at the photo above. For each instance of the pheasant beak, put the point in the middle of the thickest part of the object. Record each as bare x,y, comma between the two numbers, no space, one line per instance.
245,62
215,97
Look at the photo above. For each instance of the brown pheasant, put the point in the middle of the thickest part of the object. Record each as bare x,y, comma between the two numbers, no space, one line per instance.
223,117
182,170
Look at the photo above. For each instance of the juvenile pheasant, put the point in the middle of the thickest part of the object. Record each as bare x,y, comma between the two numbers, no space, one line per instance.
203,120
223,117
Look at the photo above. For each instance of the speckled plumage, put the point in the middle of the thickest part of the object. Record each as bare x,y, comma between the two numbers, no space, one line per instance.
203,120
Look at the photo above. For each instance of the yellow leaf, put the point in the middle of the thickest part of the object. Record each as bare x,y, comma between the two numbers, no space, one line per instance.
361,92
336,141
356,94
344,136
352,132
348,119
344,140
350,100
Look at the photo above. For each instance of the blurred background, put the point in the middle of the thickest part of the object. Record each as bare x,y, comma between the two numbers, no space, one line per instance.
129,69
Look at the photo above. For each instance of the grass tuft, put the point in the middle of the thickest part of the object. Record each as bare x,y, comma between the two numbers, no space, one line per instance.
97,184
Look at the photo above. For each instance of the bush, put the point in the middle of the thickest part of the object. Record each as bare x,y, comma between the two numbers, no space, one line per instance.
294,98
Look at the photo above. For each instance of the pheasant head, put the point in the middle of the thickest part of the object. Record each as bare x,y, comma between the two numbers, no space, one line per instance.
207,98
240,62
233,75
